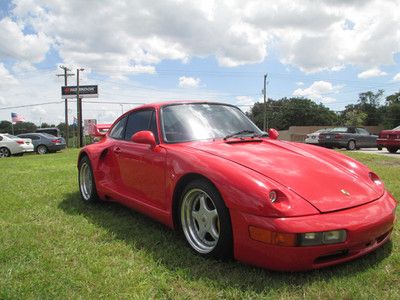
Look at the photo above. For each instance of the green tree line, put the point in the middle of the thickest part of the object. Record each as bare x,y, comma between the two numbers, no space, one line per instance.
369,110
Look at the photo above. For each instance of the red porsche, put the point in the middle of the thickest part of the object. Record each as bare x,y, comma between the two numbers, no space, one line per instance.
234,191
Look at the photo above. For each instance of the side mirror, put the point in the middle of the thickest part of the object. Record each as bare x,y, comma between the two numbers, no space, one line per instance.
144,137
273,133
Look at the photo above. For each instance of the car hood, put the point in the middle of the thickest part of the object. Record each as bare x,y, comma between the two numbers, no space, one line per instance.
319,176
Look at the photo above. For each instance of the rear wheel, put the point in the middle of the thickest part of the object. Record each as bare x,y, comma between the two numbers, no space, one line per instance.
87,185
4,152
392,149
205,220
42,149
351,145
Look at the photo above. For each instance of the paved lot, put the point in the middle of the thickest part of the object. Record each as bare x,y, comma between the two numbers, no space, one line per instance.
381,152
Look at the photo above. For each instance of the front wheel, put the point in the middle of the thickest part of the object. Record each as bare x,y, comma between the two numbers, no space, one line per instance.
205,220
392,149
4,152
87,185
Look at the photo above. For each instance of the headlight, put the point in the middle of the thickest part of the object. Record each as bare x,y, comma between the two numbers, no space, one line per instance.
322,238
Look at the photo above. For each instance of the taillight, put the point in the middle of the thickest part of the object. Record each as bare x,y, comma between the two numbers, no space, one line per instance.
338,136
20,142
56,141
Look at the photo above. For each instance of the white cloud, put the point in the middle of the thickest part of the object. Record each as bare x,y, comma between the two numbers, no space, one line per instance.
15,44
245,102
396,77
374,72
319,91
131,37
188,82
7,80
299,83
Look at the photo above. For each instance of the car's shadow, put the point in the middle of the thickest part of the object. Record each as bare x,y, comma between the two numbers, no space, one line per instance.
169,248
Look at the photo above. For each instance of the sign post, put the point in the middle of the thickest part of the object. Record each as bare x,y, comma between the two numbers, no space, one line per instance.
79,92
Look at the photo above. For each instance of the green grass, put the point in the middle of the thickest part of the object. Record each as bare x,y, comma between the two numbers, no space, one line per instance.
54,246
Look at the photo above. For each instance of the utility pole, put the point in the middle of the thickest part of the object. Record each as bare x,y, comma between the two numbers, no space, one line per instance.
65,75
79,110
265,102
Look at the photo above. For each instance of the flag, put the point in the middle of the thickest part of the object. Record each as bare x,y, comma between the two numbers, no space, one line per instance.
16,118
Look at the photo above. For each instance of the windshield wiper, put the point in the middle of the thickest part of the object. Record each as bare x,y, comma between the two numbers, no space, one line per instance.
238,133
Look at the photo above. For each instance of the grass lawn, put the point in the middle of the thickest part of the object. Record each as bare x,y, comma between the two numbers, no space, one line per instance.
54,246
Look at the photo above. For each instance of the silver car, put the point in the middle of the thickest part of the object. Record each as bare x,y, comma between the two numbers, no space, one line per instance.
45,143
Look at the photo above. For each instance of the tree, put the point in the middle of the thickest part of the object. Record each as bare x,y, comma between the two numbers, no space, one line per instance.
5,127
354,118
391,111
283,113
24,127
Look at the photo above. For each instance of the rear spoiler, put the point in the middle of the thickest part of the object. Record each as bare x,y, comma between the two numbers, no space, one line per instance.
99,129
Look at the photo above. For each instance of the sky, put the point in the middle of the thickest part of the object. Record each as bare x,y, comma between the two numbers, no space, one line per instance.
150,51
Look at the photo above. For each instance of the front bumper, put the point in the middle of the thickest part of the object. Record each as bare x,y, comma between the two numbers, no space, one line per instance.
368,227
388,142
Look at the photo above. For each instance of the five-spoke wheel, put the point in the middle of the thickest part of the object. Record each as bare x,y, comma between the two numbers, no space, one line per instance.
205,220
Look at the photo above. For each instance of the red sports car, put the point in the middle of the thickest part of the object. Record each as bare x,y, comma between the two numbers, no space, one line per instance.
234,191
390,139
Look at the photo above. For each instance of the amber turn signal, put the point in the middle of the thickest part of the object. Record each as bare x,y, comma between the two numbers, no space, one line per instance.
272,237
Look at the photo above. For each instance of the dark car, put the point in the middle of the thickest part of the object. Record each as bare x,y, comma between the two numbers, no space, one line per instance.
390,139
348,137
44,143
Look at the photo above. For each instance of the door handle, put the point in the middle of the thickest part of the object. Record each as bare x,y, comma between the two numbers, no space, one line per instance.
117,150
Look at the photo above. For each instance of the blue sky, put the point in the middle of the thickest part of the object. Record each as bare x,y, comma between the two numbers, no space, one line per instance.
138,51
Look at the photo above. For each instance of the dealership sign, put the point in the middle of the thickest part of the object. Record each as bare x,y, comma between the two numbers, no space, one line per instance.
85,91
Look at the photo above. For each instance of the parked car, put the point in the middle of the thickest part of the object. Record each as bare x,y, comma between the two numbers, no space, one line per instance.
390,139
207,169
13,145
312,138
44,143
348,137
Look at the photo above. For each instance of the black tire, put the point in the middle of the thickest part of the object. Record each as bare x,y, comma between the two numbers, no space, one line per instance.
4,152
351,145
392,149
85,177
379,148
222,247
42,149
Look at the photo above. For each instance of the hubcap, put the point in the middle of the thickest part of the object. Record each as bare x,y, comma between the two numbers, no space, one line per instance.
85,181
3,152
42,150
200,221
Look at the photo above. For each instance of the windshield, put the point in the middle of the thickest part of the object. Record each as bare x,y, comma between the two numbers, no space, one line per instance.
397,128
201,121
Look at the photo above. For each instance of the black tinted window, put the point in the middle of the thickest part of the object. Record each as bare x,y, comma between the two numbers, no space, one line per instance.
137,121
117,132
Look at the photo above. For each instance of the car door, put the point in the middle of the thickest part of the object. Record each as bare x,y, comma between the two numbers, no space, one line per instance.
142,169
369,140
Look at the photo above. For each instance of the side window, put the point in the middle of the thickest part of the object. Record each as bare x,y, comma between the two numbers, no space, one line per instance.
351,130
34,137
117,132
138,121
362,131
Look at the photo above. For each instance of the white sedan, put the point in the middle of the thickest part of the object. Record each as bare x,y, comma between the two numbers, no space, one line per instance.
13,145
312,138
